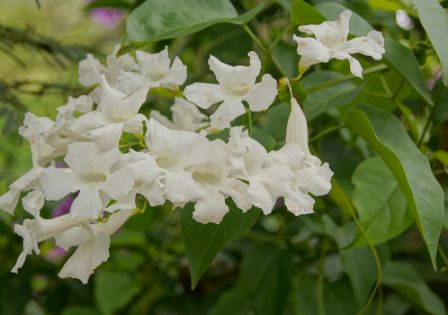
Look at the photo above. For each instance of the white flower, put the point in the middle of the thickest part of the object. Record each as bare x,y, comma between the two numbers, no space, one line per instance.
186,116
91,172
34,231
154,70
91,70
309,174
175,152
93,241
216,185
236,84
116,112
35,130
148,180
28,181
251,163
331,42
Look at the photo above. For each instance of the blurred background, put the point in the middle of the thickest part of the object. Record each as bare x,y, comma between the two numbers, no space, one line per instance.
41,43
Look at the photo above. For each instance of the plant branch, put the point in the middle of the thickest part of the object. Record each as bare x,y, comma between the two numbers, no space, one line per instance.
349,77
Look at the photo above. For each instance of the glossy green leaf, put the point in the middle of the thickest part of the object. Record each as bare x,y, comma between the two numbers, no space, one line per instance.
398,57
302,13
434,19
409,166
381,206
402,277
203,241
160,19
114,289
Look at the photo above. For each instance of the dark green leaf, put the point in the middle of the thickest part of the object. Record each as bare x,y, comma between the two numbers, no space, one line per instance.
434,19
409,166
231,302
275,121
263,285
361,269
114,290
265,279
160,19
262,136
407,281
203,241
381,205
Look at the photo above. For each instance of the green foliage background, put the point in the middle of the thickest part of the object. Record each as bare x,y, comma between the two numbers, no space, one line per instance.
376,245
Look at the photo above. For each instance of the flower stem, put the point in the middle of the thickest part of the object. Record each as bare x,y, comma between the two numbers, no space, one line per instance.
265,49
330,83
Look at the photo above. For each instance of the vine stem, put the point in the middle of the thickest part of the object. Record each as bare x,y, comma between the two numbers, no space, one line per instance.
349,77
379,276
326,132
265,49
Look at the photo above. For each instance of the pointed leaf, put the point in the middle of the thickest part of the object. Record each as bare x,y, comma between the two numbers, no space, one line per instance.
155,20
409,166
380,204
409,283
434,19
204,241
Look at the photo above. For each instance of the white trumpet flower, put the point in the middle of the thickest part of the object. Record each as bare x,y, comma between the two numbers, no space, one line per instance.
91,172
93,241
331,42
154,70
236,84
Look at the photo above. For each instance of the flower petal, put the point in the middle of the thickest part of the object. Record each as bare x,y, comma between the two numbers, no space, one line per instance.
210,209
87,204
226,112
204,95
263,94
58,183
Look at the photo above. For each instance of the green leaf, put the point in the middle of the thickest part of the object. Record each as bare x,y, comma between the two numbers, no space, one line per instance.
381,205
402,60
398,57
155,20
361,269
409,166
328,99
434,19
275,121
407,281
303,13
265,278
203,241
337,297
79,310
231,302
263,284
262,136
114,290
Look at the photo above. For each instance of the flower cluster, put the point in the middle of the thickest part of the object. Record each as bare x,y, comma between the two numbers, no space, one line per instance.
331,43
176,160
